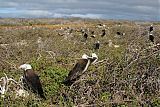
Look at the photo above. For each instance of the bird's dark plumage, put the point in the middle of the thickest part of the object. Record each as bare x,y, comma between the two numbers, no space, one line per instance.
103,33
151,28
76,72
118,33
85,35
151,38
80,67
96,45
92,32
32,80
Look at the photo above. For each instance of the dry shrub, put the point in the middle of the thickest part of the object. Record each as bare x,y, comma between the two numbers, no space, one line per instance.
126,76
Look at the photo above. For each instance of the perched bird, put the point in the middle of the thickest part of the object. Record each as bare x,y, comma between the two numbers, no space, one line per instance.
82,31
103,33
151,38
80,67
96,45
151,28
71,30
118,33
85,36
92,34
32,81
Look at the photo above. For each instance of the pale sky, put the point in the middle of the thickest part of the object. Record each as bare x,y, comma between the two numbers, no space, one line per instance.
97,9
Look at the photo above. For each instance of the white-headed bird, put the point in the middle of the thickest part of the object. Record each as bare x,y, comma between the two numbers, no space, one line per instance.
151,38
151,28
80,67
32,81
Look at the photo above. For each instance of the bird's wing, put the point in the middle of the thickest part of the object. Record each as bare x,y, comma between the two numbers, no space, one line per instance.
33,81
77,70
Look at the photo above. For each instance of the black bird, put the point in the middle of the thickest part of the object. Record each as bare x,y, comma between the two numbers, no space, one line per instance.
103,33
80,67
118,33
151,38
92,32
96,45
93,36
151,28
31,79
85,35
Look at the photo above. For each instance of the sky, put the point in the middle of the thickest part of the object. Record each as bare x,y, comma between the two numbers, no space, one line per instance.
96,9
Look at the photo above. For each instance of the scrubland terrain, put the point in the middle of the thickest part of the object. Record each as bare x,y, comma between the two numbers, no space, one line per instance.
124,76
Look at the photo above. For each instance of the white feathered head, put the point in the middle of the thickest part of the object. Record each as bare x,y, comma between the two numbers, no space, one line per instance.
25,67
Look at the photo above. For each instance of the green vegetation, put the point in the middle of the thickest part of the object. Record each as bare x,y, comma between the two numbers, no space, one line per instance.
124,76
